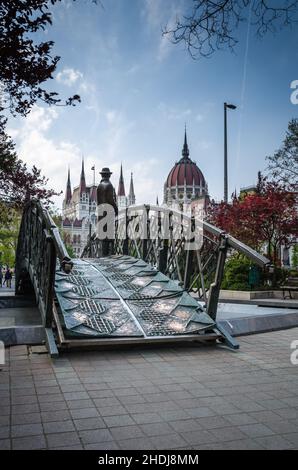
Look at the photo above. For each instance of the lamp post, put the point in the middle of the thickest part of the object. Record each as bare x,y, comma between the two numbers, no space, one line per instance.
226,106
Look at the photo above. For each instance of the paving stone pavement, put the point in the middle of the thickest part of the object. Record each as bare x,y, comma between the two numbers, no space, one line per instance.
181,397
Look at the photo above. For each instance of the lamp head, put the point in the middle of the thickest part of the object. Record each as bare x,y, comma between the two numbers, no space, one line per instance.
230,106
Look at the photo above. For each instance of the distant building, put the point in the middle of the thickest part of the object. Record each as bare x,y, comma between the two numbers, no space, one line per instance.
185,188
248,190
124,201
79,210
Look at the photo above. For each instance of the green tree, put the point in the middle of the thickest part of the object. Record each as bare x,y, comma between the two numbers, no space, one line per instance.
26,63
57,219
295,257
9,237
70,251
236,274
283,165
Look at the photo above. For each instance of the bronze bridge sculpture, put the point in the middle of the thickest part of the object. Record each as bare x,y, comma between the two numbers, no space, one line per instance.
145,289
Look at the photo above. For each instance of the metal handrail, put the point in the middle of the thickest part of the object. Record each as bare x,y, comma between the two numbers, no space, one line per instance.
209,228
39,246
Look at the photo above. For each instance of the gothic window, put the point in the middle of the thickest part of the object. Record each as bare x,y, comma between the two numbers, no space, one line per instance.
75,239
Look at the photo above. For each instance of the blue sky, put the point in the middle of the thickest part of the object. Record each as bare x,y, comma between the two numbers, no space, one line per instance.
138,90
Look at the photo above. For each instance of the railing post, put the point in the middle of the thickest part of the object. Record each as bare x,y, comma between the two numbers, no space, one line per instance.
189,257
49,284
188,269
163,250
215,286
145,234
163,256
125,242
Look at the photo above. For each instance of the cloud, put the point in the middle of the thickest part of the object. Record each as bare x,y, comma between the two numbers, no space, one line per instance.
146,178
204,144
37,145
133,69
199,117
153,12
34,147
111,116
158,14
69,76
164,48
172,113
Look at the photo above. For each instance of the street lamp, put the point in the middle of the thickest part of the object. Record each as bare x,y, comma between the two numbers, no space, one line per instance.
226,106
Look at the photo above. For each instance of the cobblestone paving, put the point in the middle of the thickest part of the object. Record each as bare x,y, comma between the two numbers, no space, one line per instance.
189,397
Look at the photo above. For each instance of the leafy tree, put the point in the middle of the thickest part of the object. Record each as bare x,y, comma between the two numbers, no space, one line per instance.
9,230
236,274
25,63
70,251
267,218
57,218
283,165
295,257
210,25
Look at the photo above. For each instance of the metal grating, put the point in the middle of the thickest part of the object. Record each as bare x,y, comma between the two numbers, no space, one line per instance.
129,286
138,296
77,272
78,280
111,269
91,307
84,291
137,305
156,318
121,277
162,331
102,325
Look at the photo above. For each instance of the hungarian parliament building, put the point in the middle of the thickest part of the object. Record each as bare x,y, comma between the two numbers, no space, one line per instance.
185,189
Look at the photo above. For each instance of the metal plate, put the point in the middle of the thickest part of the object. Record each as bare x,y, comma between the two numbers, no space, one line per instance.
123,296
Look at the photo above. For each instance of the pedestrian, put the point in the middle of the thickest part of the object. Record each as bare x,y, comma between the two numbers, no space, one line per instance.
1,276
8,277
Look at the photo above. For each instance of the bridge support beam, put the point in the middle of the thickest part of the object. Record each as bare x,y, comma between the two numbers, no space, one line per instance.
51,343
163,257
215,286
227,338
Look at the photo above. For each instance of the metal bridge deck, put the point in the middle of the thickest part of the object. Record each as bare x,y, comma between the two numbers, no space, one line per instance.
121,296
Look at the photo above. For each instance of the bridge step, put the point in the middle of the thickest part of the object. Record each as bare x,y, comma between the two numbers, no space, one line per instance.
106,342
16,335
13,301
121,296
20,322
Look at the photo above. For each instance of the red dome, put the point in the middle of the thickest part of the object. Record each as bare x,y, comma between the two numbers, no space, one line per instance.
185,171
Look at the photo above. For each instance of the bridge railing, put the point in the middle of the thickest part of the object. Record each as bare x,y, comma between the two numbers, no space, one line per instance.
185,248
39,246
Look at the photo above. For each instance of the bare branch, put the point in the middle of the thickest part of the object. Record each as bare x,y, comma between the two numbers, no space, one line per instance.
211,25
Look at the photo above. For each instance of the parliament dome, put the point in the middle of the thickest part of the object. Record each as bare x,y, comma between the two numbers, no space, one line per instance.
185,181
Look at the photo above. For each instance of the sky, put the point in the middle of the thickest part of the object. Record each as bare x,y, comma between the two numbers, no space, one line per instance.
138,91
